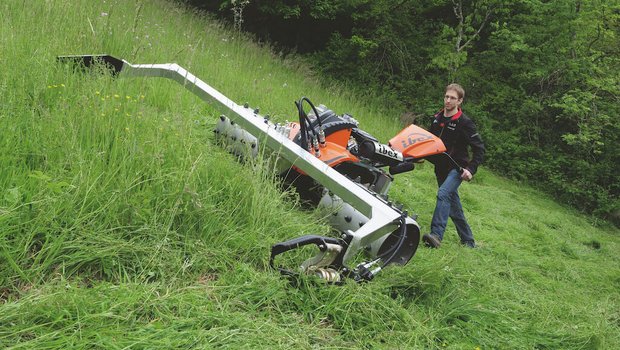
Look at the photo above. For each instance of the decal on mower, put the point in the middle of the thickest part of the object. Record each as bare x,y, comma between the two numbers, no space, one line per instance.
414,138
388,152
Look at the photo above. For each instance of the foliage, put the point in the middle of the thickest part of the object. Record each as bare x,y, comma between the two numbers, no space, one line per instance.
569,94
302,25
541,77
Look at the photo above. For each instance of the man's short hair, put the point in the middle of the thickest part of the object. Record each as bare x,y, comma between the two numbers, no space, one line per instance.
458,88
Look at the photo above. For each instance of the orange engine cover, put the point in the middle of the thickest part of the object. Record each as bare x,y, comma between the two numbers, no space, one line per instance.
413,141
335,150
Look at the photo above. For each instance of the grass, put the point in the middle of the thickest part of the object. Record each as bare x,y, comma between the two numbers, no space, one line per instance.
123,225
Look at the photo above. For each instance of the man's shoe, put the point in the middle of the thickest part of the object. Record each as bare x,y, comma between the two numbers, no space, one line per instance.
431,241
469,244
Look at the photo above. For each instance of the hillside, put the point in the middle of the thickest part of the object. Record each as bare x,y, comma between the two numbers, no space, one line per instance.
123,225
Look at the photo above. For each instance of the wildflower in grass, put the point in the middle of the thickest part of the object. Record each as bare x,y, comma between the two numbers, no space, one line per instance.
97,93
126,129
128,97
116,96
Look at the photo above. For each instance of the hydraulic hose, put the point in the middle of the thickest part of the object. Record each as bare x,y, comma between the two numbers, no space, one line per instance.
316,113
305,123
401,240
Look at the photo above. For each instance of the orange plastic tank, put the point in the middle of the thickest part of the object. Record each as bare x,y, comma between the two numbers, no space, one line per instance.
413,141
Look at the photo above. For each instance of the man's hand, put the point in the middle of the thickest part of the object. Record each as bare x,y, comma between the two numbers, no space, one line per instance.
466,175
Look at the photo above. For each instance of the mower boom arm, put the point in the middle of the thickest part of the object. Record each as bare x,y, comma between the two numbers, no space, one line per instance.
383,218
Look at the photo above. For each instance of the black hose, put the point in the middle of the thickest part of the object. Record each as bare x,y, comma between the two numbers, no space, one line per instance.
305,123
303,134
403,235
316,113
303,117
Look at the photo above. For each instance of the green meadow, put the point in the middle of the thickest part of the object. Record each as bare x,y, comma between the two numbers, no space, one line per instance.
123,225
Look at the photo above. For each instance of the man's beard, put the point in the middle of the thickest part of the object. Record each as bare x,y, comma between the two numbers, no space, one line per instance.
450,110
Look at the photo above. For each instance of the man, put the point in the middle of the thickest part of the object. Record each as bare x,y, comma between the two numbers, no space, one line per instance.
457,132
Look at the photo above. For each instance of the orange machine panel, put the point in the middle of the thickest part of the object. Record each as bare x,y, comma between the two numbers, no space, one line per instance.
335,150
340,137
413,141
333,154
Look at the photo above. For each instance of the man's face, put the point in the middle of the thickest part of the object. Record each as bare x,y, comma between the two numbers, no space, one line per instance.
451,100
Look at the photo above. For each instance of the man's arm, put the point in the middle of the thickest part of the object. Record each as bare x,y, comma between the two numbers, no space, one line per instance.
476,144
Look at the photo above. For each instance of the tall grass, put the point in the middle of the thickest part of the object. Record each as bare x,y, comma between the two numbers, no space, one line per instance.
124,225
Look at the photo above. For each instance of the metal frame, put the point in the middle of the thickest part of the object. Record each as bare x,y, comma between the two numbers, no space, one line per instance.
383,218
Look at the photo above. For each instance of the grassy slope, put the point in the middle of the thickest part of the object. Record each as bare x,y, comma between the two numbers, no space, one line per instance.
123,225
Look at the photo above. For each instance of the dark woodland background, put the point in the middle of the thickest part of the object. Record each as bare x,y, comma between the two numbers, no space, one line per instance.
541,77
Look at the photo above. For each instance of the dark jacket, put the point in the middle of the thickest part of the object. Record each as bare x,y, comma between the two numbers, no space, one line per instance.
457,133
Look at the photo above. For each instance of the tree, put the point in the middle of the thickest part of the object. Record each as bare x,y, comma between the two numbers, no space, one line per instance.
457,37
541,75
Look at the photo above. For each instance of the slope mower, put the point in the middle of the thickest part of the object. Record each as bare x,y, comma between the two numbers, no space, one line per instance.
331,162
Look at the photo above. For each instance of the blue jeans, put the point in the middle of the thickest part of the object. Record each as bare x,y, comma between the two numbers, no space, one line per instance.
449,205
